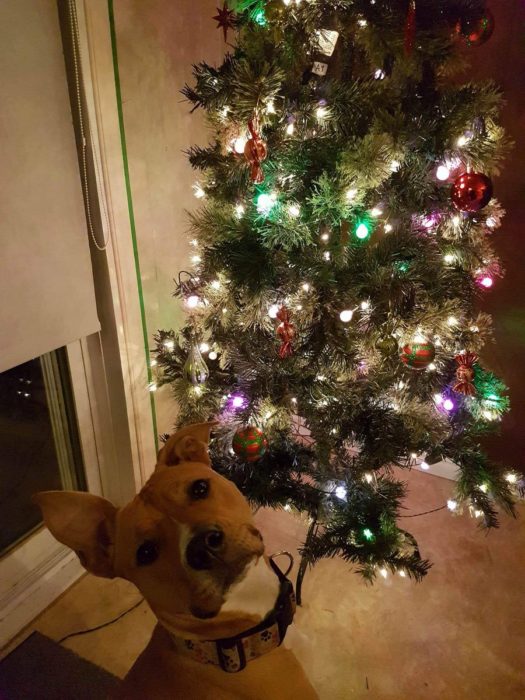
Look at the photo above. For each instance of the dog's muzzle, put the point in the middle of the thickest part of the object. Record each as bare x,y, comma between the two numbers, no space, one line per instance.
211,547
204,549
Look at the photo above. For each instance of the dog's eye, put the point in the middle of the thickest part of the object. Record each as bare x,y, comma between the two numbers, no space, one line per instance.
147,553
199,489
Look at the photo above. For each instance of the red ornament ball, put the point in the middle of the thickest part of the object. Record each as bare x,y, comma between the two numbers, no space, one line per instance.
250,443
476,30
471,192
418,355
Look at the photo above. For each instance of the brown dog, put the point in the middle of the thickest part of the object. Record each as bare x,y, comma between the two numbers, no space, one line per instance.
188,542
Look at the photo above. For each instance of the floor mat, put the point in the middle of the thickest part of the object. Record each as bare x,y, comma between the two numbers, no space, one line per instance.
41,669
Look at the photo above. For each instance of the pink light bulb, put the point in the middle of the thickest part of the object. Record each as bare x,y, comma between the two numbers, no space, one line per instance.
448,405
486,282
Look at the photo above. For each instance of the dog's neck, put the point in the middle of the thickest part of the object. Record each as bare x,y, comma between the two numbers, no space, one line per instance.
248,601
256,593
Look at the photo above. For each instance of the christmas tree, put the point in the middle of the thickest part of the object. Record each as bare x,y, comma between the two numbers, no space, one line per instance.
340,252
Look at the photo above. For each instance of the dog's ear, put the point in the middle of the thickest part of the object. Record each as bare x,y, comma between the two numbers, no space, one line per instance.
189,444
83,522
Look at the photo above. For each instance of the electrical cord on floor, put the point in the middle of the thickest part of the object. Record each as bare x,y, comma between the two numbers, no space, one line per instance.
416,515
99,627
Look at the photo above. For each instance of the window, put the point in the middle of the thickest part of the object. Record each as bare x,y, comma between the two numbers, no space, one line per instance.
39,442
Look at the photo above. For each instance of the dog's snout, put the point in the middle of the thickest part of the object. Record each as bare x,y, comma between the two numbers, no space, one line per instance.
202,547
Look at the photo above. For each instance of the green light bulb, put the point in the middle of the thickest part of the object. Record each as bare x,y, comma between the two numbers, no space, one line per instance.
369,535
260,18
362,231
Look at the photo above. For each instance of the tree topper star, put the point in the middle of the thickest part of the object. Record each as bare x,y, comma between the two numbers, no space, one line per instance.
225,19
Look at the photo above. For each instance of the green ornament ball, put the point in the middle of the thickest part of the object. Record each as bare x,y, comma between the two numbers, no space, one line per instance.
250,443
418,355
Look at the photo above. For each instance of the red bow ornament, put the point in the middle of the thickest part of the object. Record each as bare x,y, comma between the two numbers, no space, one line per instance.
255,152
465,374
286,332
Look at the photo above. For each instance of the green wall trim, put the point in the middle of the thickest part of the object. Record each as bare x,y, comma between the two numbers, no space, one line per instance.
132,226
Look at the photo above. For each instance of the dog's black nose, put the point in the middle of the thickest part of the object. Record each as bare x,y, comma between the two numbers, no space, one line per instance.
202,547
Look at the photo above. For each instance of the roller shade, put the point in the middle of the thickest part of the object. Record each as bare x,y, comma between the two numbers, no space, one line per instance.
46,284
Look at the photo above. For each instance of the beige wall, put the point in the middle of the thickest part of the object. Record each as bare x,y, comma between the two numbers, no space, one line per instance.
157,43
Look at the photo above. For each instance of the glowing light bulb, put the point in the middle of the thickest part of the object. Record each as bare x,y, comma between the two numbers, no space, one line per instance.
215,284
462,141
238,401
204,347
388,228
321,112
425,466
153,363
212,355
306,287
402,573
351,194
432,367
169,344
438,399
511,478
290,128
369,478
240,143
273,311
362,231
484,488
376,211
452,321
486,282
239,210
270,107
340,492
367,532
287,507
325,237
442,173
394,166
365,305
294,210
195,259
456,220
326,255
152,387
449,258
362,22
346,315
448,405
192,301
265,202
452,505
379,74
383,572
293,399
491,222
198,191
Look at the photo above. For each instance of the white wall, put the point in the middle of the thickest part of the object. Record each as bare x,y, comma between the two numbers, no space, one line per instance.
157,42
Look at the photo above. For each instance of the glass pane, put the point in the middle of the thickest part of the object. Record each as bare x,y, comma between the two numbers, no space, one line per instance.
39,445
